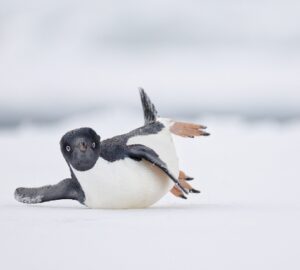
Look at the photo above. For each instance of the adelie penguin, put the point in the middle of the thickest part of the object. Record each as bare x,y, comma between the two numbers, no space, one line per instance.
133,170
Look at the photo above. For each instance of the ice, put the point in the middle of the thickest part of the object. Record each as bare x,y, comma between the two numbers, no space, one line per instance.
247,216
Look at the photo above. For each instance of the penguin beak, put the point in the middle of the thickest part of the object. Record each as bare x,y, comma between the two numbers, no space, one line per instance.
82,146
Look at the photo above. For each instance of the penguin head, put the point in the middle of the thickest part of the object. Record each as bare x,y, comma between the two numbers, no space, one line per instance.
81,148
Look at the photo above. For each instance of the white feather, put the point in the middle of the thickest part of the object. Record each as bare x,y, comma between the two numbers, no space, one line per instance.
127,183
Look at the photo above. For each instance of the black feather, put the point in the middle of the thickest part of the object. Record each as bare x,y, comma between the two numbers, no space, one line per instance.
150,113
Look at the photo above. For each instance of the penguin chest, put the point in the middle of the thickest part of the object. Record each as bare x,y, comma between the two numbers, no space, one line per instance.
123,184
127,183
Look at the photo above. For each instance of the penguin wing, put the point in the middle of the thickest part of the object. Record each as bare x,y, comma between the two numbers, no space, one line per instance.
65,189
140,152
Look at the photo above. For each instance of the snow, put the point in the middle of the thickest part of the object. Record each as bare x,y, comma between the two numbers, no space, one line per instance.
247,216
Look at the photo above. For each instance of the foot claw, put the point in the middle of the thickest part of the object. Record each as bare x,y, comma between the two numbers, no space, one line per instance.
194,190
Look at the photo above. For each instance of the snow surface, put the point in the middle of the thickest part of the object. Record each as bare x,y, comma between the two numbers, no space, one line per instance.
247,216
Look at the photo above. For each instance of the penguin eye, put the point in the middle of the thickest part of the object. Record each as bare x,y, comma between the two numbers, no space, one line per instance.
68,148
94,145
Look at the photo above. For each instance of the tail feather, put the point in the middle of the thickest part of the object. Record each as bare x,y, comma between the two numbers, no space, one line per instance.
150,113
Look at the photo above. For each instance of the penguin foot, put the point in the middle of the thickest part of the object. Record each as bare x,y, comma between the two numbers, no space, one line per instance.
185,177
183,181
188,130
177,190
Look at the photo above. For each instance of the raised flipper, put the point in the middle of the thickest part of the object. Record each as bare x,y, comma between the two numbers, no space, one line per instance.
188,130
139,152
66,189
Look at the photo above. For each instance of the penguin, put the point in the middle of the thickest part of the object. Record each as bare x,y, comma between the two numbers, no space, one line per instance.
133,170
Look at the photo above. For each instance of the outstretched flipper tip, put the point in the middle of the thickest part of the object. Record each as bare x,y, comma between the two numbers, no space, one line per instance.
24,196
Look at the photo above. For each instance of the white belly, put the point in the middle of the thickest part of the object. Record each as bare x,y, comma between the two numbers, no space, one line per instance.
128,183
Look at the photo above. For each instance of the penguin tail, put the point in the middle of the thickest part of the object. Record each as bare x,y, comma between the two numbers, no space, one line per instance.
150,113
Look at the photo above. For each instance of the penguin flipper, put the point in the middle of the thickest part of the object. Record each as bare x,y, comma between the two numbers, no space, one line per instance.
139,152
66,189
